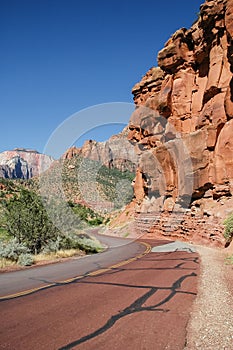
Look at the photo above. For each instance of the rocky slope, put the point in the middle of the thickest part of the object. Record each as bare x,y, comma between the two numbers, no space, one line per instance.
85,181
182,130
23,164
117,152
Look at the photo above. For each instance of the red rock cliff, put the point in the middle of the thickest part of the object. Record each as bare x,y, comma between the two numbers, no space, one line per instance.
116,152
188,101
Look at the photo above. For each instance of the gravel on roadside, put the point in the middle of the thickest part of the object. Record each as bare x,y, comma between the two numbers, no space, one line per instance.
211,322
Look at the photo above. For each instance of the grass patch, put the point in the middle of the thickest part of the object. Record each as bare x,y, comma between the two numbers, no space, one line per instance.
61,254
66,253
229,260
6,263
126,234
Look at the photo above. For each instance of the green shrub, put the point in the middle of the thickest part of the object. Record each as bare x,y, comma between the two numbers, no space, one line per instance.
87,215
3,232
52,246
12,249
73,241
95,222
89,244
25,260
82,242
229,260
25,224
228,223
26,220
16,252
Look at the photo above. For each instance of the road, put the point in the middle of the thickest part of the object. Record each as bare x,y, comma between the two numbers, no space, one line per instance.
113,301
37,277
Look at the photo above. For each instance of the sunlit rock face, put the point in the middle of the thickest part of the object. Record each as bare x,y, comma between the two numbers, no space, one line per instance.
187,103
23,164
117,152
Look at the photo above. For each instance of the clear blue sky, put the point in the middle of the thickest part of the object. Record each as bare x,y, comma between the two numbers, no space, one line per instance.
60,56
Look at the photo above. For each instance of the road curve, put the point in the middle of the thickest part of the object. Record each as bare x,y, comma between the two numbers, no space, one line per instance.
141,305
37,277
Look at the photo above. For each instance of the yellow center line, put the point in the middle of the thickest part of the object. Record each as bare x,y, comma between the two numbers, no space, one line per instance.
90,274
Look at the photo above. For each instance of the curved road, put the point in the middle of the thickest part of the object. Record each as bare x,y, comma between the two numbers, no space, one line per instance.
39,276
125,298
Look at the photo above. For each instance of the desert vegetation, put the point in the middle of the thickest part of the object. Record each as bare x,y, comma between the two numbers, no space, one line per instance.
228,233
87,181
27,231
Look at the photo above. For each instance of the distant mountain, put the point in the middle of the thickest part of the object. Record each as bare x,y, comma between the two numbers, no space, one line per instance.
22,163
117,152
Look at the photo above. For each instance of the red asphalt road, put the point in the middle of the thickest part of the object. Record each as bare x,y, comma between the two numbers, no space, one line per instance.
143,305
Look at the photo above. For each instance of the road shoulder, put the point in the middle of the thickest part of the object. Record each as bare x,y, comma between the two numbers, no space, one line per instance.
211,323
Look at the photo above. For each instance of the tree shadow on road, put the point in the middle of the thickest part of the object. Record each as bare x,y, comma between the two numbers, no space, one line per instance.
185,265
138,305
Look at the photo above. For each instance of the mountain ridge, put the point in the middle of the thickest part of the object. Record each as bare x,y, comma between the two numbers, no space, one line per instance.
21,163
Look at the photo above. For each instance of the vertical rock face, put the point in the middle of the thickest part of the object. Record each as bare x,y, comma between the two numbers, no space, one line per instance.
187,102
23,164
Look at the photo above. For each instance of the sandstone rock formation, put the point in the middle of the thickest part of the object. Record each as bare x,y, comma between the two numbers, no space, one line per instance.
117,152
186,103
23,164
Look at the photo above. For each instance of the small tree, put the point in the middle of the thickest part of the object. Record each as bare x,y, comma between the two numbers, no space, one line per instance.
27,220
